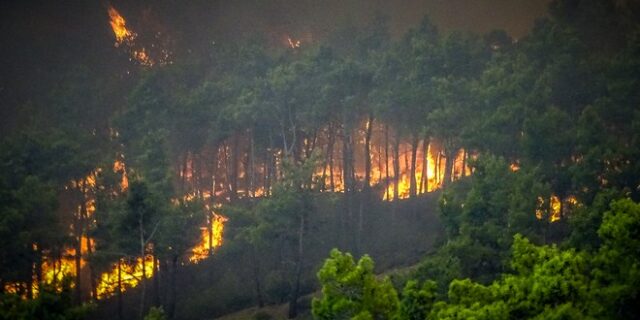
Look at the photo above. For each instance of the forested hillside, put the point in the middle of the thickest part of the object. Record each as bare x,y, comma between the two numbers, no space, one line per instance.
169,172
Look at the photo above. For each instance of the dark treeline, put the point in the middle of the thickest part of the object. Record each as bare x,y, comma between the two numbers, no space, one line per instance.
113,171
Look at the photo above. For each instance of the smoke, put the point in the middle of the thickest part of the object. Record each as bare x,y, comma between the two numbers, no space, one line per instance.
320,16
41,39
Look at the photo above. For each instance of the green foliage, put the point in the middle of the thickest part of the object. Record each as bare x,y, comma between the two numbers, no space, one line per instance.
481,215
545,282
350,290
156,314
261,315
549,283
416,301
49,305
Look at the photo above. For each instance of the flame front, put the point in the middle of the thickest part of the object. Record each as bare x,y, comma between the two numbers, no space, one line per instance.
209,240
126,38
119,27
124,275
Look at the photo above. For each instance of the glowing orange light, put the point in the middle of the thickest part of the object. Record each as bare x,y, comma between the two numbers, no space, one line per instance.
130,274
118,25
293,44
208,241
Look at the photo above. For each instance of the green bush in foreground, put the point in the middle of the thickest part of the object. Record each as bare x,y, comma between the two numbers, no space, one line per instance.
546,283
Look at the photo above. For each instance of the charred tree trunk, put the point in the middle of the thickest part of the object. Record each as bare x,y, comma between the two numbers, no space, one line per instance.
156,283
234,168
438,171
386,160
349,182
267,171
214,172
119,289
367,155
171,310
94,285
396,167
143,280
464,163
78,261
251,166
412,176
347,163
448,166
83,221
211,218
424,180
332,139
183,178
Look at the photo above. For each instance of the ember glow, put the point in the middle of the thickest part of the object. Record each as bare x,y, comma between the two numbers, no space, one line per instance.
554,207
293,44
127,39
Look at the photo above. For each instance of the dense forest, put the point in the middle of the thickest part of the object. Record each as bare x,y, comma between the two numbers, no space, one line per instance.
167,175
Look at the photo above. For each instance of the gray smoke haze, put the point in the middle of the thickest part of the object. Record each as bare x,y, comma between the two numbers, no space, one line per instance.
320,16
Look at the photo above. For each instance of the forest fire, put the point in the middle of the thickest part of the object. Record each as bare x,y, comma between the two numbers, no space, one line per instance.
211,238
126,273
125,37
118,25
260,138
119,168
555,208
293,44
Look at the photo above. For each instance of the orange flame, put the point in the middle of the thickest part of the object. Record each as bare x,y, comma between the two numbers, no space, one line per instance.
119,167
126,37
209,241
118,25
554,207
130,274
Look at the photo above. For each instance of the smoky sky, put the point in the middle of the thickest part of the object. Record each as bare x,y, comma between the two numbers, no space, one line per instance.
320,16
40,39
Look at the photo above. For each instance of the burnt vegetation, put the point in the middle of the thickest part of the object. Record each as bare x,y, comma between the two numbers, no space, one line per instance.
167,173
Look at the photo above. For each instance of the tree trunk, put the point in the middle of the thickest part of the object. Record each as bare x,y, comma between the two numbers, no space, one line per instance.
438,171
293,303
214,172
464,162
256,277
250,171
156,283
396,167
234,168
78,261
184,173
448,166
412,175
347,163
367,154
349,182
424,181
172,291
332,138
143,282
94,286
119,289
386,160
84,219
268,160
210,239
